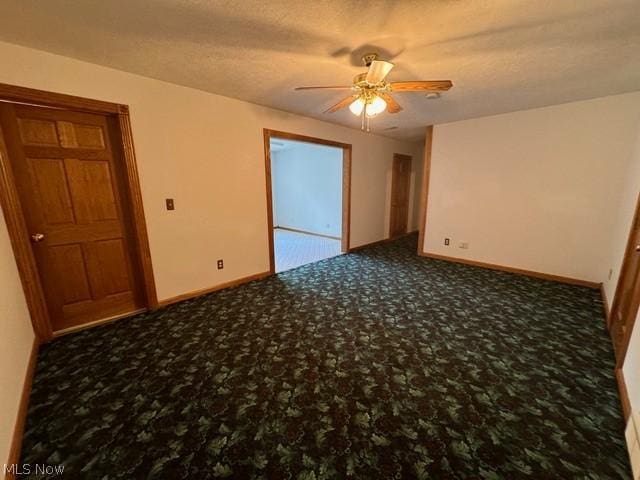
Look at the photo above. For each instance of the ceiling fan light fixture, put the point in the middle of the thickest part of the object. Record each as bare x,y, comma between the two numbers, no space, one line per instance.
357,106
376,106
371,93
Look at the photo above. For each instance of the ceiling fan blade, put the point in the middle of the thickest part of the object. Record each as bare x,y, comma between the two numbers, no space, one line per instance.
392,105
422,86
345,102
324,88
378,70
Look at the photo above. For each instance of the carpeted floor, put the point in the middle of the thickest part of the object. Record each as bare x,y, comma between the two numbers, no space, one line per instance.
373,365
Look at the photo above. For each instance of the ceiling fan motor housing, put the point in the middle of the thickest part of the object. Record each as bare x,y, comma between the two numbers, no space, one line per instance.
360,79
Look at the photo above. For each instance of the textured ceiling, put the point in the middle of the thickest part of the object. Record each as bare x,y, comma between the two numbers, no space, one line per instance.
502,55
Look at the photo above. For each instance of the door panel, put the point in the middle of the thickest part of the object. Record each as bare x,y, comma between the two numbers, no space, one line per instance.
400,185
76,135
92,190
50,182
110,263
38,132
70,271
67,180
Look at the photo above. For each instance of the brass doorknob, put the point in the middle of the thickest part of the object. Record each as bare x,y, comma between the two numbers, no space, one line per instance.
637,248
37,237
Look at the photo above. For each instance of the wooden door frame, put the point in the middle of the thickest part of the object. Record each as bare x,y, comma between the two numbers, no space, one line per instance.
14,216
346,185
630,250
399,155
424,189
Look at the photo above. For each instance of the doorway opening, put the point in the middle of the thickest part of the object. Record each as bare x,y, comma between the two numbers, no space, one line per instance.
308,197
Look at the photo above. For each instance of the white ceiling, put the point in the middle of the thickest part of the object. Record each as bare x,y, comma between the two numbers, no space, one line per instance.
502,55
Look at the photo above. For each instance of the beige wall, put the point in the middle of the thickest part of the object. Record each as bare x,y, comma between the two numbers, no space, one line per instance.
16,340
206,152
536,189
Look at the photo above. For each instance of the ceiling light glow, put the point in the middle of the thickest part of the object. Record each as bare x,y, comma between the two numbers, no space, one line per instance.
376,106
357,106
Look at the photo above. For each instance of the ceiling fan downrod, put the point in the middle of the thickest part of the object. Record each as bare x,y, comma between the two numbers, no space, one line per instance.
368,58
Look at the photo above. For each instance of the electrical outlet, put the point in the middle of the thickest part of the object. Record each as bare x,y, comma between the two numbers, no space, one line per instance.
170,204
463,245
446,242
220,264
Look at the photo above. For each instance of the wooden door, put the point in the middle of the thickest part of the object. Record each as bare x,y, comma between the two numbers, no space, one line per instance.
400,185
627,296
75,207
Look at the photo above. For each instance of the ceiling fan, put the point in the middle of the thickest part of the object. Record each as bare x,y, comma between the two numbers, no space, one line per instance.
371,93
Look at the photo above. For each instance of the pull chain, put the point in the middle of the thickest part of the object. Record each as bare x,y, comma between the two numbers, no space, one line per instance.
364,119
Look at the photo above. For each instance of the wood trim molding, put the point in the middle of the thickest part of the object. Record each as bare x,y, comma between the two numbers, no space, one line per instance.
222,286
629,251
306,232
605,303
370,244
346,185
14,93
18,234
624,394
305,138
267,169
137,208
380,242
520,271
346,198
12,208
424,190
21,418
95,323
621,353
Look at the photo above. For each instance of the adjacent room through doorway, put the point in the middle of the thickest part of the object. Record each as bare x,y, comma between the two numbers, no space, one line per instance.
306,185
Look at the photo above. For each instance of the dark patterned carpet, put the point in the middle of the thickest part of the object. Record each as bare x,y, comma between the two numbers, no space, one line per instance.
373,365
